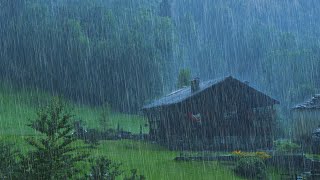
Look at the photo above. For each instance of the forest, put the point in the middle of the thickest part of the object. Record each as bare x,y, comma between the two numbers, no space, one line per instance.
88,49
119,55
91,51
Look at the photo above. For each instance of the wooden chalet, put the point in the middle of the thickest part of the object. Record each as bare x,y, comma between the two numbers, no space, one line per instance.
225,114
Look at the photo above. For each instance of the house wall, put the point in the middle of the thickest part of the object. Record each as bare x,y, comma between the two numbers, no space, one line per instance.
304,122
219,129
230,119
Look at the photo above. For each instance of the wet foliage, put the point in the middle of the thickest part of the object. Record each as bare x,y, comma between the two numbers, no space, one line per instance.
110,59
135,176
55,152
89,51
104,169
54,156
9,164
251,167
287,146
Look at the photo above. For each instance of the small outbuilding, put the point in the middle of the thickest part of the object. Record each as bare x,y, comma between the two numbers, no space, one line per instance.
306,117
225,114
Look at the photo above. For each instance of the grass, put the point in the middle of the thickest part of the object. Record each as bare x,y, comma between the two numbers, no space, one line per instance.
152,160
156,162
126,122
313,156
17,107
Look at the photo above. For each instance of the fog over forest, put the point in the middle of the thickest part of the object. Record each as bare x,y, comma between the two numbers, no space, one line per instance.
128,52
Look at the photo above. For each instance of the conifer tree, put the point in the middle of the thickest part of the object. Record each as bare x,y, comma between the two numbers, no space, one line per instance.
54,156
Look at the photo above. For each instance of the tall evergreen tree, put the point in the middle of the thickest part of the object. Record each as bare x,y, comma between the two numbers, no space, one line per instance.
54,156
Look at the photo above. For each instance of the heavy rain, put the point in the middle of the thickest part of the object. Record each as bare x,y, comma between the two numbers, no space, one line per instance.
160,89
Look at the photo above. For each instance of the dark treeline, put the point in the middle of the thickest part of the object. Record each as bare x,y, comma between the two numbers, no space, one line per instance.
91,51
126,52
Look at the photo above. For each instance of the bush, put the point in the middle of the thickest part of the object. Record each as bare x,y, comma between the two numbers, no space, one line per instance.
183,78
135,176
8,161
103,168
251,167
259,154
286,146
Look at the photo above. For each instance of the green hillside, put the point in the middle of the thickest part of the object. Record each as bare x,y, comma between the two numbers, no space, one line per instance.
18,106
152,160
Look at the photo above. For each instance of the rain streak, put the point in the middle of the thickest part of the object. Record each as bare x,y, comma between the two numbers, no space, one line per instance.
160,89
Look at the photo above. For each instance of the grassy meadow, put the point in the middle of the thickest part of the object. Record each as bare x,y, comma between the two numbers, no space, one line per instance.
152,160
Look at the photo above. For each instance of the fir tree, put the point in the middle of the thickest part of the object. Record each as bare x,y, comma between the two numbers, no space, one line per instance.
54,156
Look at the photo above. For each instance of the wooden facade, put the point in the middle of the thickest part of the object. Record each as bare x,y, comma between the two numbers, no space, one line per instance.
305,117
226,114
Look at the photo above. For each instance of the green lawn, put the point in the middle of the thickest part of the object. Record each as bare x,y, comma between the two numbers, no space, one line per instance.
155,162
17,107
126,122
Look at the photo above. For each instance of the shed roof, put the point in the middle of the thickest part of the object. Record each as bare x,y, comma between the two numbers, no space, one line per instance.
311,104
185,93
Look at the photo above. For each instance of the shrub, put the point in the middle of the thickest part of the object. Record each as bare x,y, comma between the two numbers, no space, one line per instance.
251,167
103,168
8,161
134,176
183,78
286,146
260,154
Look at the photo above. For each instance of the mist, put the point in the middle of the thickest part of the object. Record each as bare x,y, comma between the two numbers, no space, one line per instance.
128,54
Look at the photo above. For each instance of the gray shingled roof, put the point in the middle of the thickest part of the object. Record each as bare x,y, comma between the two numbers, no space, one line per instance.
184,93
313,103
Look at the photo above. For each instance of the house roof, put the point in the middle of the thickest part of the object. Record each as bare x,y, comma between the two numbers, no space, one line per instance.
185,93
313,103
